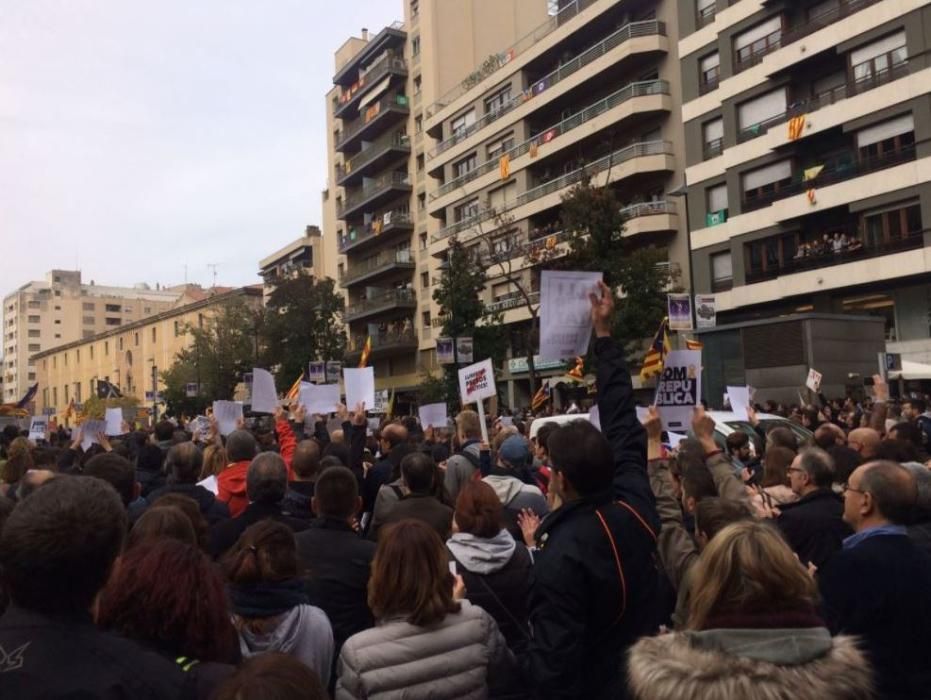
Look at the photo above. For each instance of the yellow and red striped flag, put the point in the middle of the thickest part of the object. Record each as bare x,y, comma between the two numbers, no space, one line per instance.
691,344
295,391
366,351
653,360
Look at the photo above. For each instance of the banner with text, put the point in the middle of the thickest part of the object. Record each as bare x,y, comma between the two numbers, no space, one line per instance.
679,389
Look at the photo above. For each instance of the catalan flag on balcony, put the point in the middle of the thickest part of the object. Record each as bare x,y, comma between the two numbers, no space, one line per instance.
692,344
504,165
366,351
653,360
295,391
534,149
812,199
796,127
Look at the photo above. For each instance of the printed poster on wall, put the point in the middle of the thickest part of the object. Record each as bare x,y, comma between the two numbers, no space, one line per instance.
464,349
706,315
445,354
680,312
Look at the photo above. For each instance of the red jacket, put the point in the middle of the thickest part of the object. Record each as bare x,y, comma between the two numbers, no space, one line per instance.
231,487
287,443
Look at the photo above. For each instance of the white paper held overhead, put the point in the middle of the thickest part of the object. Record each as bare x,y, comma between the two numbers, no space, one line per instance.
227,415
360,386
433,414
739,398
114,420
565,313
264,394
320,399
678,391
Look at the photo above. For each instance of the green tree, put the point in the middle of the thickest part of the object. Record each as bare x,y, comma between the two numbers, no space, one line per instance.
594,220
303,322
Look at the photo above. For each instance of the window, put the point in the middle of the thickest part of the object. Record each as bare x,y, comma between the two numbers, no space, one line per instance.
466,211
705,10
463,122
717,205
33,334
57,321
415,46
147,310
136,338
418,125
32,376
498,198
112,308
503,290
500,147
709,68
32,319
110,321
77,354
34,347
761,184
891,226
92,351
418,85
415,8
88,320
423,241
340,271
127,309
57,308
713,137
753,115
106,347
887,138
177,328
420,162
120,344
153,334
497,101
55,395
465,166
722,275
55,362
425,319
750,46
33,305
66,359
425,280
874,60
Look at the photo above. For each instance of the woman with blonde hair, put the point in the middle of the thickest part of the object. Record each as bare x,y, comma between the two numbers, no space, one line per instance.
753,631
215,461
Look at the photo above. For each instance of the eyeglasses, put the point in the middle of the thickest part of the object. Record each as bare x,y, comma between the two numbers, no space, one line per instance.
794,469
848,487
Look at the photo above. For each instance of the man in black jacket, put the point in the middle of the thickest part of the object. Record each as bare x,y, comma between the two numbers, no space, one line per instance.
266,483
876,587
305,464
594,576
394,446
813,526
183,464
418,478
57,551
335,559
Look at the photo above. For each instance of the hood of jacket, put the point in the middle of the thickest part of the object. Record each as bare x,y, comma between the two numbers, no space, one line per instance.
506,488
765,664
284,638
482,555
233,478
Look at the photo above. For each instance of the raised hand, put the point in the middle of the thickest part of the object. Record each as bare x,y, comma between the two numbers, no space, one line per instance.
528,522
602,310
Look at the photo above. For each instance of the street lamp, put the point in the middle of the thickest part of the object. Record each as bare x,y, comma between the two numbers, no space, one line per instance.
683,191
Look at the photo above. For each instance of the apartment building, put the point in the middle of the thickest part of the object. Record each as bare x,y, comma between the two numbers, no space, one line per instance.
593,92
809,161
62,309
376,201
125,355
301,256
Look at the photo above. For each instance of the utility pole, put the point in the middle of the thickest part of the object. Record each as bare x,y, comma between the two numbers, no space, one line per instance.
213,267
154,393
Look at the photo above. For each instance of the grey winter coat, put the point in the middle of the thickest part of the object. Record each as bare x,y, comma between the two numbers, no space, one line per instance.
460,658
459,470
751,664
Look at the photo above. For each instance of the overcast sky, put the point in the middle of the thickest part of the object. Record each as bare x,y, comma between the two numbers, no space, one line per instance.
139,136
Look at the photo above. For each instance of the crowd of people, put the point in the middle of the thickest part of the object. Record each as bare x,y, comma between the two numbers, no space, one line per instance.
828,245
288,560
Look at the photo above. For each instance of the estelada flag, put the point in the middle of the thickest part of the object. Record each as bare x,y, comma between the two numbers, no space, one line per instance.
295,391
653,360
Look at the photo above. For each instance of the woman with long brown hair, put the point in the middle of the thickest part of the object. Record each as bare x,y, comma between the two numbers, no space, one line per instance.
426,634
753,631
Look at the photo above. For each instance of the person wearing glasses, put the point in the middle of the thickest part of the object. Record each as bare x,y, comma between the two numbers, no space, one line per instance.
877,586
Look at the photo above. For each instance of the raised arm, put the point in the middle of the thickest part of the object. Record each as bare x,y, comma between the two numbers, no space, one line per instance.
618,414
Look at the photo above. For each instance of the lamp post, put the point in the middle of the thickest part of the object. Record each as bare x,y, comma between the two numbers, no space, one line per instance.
683,191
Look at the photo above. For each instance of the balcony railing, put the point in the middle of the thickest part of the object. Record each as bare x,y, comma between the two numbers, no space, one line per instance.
375,264
751,55
390,299
713,148
655,208
638,89
394,102
850,88
372,189
382,341
706,15
496,61
636,150
839,167
709,80
512,300
628,31
377,148
380,224
374,74
826,258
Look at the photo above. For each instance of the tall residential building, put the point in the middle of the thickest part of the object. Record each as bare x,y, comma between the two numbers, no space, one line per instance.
593,91
41,315
377,197
808,144
303,255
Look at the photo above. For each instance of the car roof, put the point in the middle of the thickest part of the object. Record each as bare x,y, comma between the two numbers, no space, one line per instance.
559,420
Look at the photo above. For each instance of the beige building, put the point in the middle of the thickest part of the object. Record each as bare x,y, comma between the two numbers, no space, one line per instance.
62,309
425,115
809,161
304,255
125,355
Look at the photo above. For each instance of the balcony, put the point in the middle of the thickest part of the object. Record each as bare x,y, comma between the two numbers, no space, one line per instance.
371,268
382,225
849,89
512,300
705,16
383,344
639,89
713,148
349,100
379,116
837,167
375,192
636,150
751,55
369,159
826,257
388,300
612,41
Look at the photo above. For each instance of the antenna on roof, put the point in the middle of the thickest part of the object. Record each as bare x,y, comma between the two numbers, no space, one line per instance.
213,267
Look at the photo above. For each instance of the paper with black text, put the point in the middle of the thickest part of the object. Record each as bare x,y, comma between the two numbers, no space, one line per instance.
264,394
566,313
38,428
678,390
360,386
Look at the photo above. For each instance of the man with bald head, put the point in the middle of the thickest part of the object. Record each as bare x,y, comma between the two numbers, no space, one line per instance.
876,587
865,441
305,465
392,446
828,435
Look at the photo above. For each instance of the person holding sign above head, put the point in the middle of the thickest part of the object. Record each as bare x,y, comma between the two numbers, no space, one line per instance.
594,576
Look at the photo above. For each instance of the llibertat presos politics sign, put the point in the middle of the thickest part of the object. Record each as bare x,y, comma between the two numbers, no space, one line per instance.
477,382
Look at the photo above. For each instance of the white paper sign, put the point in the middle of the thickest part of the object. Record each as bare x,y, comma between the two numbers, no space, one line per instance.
227,414
38,428
114,420
675,439
739,397
320,398
360,386
477,382
643,413
381,402
594,417
89,430
814,380
679,389
566,313
433,414
264,394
